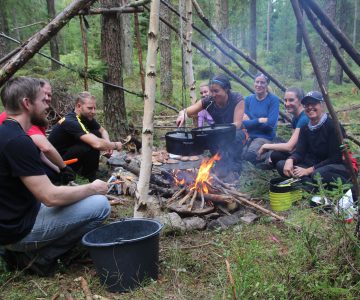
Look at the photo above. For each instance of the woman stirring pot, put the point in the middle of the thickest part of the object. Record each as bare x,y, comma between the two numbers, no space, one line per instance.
225,107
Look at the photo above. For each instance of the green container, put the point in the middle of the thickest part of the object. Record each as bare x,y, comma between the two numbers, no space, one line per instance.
282,197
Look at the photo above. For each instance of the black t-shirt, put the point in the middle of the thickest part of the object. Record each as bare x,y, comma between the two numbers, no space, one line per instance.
18,207
222,115
69,129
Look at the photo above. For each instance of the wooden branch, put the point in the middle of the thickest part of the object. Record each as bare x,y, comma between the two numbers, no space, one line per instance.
29,25
192,200
231,279
112,10
34,44
352,107
85,287
86,57
321,83
334,50
351,138
218,199
334,29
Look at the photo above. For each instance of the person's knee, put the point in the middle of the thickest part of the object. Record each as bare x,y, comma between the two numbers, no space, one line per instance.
250,156
95,207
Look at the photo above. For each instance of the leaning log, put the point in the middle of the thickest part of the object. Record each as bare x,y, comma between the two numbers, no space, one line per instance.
332,47
34,44
112,10
334,29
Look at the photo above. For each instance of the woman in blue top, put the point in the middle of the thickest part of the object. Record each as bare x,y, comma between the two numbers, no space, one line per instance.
261,116
281,151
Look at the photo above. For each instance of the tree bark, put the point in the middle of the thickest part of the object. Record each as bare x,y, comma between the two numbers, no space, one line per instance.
127,41
252,36
54,47
4,27
188,52
268,17
34,44
355,22
113,98
298,51
142,205
342,22
222,25
166,84
324,55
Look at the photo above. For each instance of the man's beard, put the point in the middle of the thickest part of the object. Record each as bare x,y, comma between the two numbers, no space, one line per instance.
38,120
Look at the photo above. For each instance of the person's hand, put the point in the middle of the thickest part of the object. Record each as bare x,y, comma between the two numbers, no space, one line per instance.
246,117
262,150
263,120
289,168
301,172
66,175
181,118
99,186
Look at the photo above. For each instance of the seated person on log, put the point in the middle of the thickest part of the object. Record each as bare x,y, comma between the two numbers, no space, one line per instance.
53,164
38,221
204,116
79,135
260,121
225,107
282,151
318,149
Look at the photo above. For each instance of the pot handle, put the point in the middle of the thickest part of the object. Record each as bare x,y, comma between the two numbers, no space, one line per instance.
201,135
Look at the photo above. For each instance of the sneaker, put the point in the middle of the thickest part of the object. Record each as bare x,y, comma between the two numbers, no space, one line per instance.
21,261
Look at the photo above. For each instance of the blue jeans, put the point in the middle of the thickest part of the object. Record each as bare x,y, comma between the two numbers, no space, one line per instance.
58,229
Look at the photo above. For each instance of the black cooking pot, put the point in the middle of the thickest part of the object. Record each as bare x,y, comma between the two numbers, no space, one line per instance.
182,143
214,136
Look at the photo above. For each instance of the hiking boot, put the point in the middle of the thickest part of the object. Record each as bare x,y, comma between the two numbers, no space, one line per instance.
21,261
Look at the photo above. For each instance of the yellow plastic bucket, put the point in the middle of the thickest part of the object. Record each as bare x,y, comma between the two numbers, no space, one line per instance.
282,197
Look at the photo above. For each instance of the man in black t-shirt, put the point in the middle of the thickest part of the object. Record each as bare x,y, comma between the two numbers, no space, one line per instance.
79,135
38,220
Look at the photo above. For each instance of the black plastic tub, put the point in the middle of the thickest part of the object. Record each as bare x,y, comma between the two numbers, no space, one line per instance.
182,143
125,253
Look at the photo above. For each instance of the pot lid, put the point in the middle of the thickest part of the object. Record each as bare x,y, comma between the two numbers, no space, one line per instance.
181,135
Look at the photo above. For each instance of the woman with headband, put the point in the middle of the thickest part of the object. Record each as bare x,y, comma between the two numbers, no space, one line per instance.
261,116
225,107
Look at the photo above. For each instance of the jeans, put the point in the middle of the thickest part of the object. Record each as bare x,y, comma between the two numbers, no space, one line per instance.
58,229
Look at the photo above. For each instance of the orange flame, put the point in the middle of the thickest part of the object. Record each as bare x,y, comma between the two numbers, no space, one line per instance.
203,175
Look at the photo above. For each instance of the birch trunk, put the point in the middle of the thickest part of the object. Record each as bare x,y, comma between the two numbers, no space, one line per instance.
188,52
34,44
146,205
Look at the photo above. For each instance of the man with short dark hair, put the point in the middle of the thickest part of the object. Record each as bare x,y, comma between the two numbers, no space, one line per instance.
38,220
79,135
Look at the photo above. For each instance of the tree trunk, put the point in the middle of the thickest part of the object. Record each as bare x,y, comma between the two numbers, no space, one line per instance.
114,101
268,17
355,22
143,205
188,52
166,84
298,50
222,25
54,48
127,41
39,39
324,55
252,36
342,23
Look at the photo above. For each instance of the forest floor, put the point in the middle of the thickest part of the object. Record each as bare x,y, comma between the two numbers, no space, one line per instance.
310,256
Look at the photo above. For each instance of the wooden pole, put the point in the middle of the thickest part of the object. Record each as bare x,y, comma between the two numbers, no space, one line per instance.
86,60
142,192
112,10
300,20
334,29
332,47
34,44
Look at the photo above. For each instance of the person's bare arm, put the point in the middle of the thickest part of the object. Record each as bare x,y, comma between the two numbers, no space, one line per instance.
47,162
289,146
52,195
100,143
239,114
189,112
48,149
105,136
